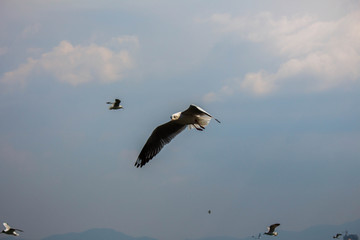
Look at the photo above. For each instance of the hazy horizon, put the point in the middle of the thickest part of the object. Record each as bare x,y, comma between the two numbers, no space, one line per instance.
313,233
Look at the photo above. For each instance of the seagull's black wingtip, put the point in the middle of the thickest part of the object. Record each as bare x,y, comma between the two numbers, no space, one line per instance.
139,164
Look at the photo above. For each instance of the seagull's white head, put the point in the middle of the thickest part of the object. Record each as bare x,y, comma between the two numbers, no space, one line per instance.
275,233
175,116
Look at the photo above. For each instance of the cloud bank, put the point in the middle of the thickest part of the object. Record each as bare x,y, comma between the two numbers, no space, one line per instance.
318,55
79,64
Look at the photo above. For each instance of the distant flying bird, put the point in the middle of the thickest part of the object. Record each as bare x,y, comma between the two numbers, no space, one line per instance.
10,231
337,235
258,237
209,212
271,229
194,117
115,105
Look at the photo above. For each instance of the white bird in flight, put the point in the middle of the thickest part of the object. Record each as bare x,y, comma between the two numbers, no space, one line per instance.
10,231
115,105
194,117
271,229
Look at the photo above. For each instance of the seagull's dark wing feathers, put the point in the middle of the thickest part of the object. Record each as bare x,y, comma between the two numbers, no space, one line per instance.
117,102
19,230
337,235
273,226
161,136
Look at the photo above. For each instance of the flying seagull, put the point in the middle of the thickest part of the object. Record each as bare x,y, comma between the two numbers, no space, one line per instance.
209,212
337,235
10,231
194,117
271,229
115,105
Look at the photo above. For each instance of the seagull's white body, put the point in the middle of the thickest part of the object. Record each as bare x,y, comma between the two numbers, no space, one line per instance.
9,230
271,229
115,105
194,117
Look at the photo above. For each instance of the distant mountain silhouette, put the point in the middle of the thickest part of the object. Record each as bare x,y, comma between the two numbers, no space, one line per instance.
322,232
96,234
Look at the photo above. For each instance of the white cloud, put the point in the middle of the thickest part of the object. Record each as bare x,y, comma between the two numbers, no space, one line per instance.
77,64
328,52
259,83
20,74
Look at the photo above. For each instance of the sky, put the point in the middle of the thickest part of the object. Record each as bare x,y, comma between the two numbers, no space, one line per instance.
282,77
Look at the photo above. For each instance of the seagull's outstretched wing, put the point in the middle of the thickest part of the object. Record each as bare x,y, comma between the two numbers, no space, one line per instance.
117,102
16,229
195,110
162,135
7,227
273,226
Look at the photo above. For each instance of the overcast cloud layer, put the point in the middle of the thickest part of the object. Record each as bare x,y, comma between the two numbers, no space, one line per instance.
282,77
326,52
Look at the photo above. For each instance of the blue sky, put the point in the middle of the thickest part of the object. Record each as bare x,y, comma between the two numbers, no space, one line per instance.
282,77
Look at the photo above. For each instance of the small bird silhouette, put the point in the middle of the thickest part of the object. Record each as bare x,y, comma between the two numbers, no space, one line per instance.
271,229
115,105
337,235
